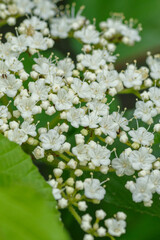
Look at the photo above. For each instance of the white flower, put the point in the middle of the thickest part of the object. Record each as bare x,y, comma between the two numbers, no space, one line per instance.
141,159
24,6
44,66
108,127
39,90
108,78
99,155
29,129
145,110
37,41
88,35
142,136
52,140
26,105
98,107
6,51
81,88
14,64
19,43
60,27
34,23
97,59
141,190
66,65
17,135
81,152
10,85
46,10
155,95
97,90
74,116
120,120
92,120
4,113
154,64
115,227
63,100
122,165
131,77
115,26
93,189
155,179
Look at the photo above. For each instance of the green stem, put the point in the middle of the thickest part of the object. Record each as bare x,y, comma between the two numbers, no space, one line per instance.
75,214
61,155
55,120
131,91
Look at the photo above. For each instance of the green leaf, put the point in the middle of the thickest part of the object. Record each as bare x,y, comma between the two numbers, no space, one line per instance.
16,167
26,216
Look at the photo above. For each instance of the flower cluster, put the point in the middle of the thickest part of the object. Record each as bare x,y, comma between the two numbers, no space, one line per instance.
63,110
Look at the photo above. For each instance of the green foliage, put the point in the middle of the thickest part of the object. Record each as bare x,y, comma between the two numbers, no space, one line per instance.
28,209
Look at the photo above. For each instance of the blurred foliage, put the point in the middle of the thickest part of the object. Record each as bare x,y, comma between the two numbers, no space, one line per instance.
28,209
145,11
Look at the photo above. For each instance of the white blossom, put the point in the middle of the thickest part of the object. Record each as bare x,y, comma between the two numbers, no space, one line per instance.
52,140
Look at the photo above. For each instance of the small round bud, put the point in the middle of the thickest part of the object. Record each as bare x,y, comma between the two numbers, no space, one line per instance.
112,91
109,140
157,127
121,216
11,21
148,82
69,190
123,137
50,42
13,125
82,206
84,132
128,151
101,232
98,131
50,158
63,203
104,169
64,127
61,165
70,181
16,113
79,185
78,172
88,237
50,111
66,147
42,130
38,152
57,172
100,214
156,165
23,76
135,145
148,204
34,75
85,226
72,164
79,139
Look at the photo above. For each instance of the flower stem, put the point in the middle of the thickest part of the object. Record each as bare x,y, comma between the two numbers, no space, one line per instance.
75,214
